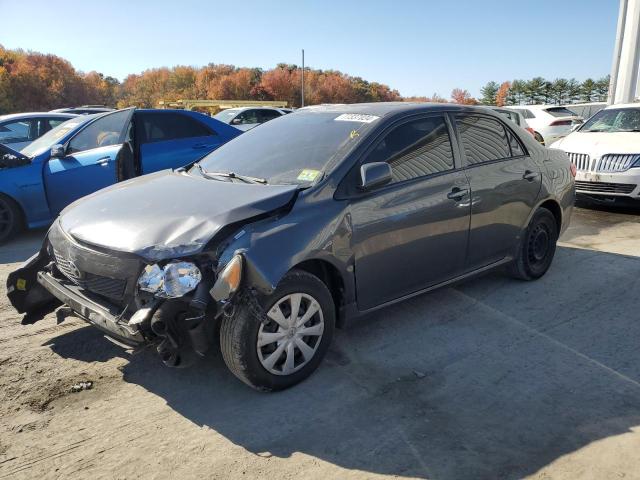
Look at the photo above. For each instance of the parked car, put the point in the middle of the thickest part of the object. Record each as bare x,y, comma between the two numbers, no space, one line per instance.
549,122
20,129
245,118
516,117
606,152
321,216
90,152
85,109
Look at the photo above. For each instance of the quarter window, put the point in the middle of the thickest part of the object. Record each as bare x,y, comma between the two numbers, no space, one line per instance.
416,149
484,139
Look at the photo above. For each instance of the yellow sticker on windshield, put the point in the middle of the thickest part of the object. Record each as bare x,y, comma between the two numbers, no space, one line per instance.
308,175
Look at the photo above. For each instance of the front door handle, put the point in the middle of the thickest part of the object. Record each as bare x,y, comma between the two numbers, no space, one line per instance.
103,162
530,176
457,193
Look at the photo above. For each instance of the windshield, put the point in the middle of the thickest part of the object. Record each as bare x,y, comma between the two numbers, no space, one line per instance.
614,120
560,112
293,149
225,115
51,137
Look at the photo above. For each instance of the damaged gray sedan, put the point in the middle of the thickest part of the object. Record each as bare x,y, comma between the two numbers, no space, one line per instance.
279,236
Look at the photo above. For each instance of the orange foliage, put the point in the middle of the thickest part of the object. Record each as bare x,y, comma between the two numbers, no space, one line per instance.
462,97
503,91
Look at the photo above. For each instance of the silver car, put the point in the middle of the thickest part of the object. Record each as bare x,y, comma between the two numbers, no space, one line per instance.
20,129
246,118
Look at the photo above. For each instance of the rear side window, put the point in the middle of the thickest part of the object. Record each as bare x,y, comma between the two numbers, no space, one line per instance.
266,115
159,127
514,143
560,112
102,132
15,132
416,149
527,114
484,139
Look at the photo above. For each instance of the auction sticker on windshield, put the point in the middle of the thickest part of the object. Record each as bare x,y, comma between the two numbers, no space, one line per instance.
356,117
308,175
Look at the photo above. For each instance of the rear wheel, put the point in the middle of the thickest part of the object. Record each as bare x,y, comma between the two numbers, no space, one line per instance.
539,138
277,343
537,247
10,218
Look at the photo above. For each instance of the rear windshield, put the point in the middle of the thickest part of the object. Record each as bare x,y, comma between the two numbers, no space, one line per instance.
560,112
295,149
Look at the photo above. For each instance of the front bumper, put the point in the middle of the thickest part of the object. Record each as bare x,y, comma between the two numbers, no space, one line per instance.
615,184
97,313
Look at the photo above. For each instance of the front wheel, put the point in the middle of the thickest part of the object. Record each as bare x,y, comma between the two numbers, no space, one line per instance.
277,343
537,248
10,218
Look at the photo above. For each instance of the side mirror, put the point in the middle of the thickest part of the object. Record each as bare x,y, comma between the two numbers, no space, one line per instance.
575,126
374,175
57,151
236,121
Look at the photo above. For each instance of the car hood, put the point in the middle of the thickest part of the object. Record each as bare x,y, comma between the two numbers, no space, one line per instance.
167,214
597,144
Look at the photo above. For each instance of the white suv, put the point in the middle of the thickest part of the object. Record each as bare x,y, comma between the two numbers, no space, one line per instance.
606,152
549,122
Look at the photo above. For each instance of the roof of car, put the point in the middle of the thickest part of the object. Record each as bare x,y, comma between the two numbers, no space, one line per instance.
241,109
623,105
389,108
18,116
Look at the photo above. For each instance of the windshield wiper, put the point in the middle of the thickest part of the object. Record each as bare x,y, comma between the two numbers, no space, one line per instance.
243,178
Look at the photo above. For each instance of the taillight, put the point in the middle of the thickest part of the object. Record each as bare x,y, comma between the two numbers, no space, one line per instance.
531,131
560,122
572,169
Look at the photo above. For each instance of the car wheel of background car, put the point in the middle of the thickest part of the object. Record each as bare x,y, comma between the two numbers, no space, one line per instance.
539,138
10,218
281,342
537,247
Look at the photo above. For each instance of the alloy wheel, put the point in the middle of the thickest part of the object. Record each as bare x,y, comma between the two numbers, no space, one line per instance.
290,335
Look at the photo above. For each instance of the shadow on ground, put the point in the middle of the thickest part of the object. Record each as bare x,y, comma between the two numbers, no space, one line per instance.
494,378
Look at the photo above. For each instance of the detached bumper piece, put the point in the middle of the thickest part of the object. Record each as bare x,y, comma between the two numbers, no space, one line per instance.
98,314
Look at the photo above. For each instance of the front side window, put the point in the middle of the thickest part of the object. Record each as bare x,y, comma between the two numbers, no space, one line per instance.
248,117
103,132
416,149
158,127
266,115
484,139
528,114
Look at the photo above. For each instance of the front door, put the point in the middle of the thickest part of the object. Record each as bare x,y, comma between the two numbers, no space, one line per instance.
411,233
505,184
89,163
171,140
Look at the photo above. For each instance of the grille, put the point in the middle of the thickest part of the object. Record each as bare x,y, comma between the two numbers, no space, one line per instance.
613,162
108,287
602,187
580,160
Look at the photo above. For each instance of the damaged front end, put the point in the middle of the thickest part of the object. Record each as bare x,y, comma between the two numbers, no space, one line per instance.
174,304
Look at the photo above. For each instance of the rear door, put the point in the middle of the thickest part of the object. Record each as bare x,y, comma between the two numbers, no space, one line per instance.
171,140
89,163
505,182
411,233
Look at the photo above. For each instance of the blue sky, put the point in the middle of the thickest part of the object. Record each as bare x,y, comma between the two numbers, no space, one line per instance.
417,47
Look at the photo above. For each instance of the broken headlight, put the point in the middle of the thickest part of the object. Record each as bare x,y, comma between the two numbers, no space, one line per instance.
173,280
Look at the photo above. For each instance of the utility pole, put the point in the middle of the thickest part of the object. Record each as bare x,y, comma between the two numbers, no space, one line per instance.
302,89
623,85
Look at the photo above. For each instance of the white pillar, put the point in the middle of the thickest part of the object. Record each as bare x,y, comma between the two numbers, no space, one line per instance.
625,78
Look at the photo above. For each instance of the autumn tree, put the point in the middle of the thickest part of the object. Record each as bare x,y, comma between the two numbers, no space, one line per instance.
502,94
462,97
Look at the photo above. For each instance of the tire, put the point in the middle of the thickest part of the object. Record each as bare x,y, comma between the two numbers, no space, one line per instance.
11,220
267,367
538,138
537,247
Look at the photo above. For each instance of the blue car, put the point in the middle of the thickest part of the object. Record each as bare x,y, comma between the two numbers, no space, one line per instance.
91,152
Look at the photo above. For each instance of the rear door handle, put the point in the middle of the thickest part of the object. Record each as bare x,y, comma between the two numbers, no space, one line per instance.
457,193
530,176
103,162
